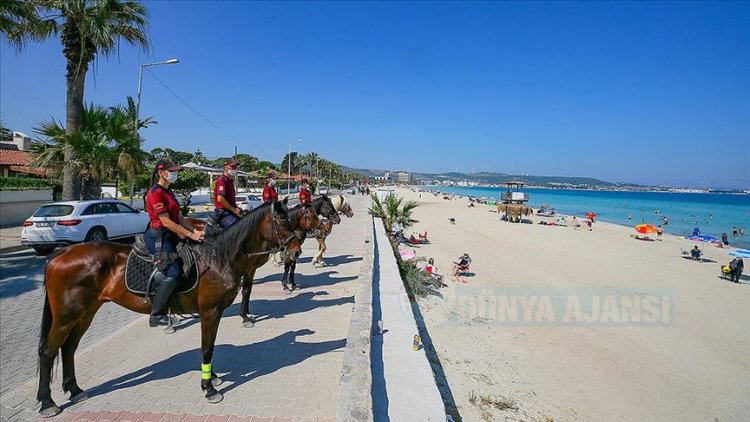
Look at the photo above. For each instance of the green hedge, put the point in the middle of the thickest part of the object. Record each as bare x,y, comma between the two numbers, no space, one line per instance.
29,183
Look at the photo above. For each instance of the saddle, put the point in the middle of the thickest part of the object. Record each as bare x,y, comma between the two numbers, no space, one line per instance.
140,269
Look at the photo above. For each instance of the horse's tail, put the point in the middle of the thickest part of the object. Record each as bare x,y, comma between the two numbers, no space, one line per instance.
46,322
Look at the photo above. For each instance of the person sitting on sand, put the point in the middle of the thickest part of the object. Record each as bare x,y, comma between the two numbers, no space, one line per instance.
462,264
696,253
725,239
575,223
432,271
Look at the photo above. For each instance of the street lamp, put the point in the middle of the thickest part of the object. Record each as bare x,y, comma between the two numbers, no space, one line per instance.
138,104
289,167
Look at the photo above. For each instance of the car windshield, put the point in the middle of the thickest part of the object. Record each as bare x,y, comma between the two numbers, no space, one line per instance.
53,211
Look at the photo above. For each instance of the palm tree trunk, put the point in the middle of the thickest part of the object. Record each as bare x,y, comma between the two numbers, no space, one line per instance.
76,80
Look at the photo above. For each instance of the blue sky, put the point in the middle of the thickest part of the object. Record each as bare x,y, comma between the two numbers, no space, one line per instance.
643,92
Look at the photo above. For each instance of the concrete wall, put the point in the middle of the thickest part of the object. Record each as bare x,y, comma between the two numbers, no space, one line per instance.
17,206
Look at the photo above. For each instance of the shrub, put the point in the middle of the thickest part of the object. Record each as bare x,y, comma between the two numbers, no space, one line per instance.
29,183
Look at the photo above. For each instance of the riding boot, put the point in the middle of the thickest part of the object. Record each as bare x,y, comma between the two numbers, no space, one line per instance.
163,293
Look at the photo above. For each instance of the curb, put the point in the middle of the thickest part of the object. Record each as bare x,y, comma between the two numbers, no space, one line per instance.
355,382
10,249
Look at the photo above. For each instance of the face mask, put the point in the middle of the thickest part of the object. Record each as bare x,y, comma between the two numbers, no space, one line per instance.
171,176
233,173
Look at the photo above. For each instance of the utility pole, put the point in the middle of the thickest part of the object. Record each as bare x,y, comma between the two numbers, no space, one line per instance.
235,150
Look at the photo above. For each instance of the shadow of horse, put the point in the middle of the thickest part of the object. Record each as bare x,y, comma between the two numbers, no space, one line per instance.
279,308
332,260
242,363
308,280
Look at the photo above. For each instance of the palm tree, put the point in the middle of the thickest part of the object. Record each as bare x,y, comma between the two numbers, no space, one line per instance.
392,212
131,157
86,28
104,147
312,160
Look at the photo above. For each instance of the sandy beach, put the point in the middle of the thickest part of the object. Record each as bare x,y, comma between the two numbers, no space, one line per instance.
685,356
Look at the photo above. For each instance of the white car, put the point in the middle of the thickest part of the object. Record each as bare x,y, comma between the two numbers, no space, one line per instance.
65,223
248,202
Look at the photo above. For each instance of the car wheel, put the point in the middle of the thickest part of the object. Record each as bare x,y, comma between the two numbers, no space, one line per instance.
43,250
96,234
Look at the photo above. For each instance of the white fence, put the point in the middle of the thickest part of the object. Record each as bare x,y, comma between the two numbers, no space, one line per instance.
17,206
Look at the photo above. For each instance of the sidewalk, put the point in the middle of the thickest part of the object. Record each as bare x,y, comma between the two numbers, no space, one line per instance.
10,239
287,367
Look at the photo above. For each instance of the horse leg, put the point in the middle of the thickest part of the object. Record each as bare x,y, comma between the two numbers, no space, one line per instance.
70,384
209,327
321,249
292,269
285,276
247,288
53,334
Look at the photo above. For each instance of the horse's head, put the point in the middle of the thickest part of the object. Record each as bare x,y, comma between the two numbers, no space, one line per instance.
344,207
307,221
277,231
326,209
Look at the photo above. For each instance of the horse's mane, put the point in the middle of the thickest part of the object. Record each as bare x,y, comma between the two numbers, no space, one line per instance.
294,214
338,202
222,245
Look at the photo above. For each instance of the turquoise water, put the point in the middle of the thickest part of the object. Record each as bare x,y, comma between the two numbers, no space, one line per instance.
713,213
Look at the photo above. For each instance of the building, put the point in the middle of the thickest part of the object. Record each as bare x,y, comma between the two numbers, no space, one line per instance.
402,177
20,140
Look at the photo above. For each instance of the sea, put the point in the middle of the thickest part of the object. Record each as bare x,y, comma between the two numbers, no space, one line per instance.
712,213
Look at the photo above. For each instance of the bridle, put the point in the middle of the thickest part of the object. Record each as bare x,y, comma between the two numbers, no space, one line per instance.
282,244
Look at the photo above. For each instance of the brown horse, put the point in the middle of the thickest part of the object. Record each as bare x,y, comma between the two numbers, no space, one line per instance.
341,205
322,206
79,279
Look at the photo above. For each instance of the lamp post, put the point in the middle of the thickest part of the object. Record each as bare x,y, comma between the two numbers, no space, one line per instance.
289,168
138,105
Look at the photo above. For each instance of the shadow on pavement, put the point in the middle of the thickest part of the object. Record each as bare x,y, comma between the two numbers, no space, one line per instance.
279,308
22,272
236,364
332,260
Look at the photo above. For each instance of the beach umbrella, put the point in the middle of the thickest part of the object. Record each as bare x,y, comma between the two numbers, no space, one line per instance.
742,253
591,215
645,228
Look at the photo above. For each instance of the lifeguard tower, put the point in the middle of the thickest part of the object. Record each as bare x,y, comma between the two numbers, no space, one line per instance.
513,195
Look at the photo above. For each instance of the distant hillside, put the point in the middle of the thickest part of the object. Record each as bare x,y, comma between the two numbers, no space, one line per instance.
496,177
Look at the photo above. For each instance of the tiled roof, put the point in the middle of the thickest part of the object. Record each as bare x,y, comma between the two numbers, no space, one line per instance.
14,158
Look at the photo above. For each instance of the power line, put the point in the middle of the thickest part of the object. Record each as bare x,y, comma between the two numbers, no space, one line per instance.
197,113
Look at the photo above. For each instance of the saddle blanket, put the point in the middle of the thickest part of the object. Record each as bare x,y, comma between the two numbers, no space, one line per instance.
139,270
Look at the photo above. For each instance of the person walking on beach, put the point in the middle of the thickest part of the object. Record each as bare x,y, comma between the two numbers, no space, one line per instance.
269,192
736,267
588,223
659,232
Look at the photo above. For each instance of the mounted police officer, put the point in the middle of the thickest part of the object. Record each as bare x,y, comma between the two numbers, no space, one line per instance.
304,193
269,192
166,228
225,196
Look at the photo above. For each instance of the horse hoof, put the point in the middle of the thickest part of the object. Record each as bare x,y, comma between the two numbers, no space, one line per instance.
216,381
248,324
49,412
215,398
79,397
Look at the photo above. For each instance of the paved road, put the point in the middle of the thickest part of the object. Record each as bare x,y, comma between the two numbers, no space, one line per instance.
21,301
287,366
